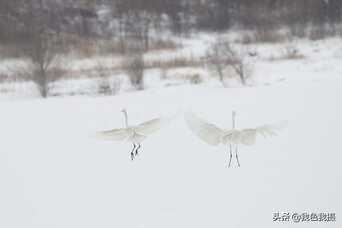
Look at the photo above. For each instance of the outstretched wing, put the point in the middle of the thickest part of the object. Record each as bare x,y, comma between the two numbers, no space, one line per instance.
209,133
248,136
151,126
271,129
115,134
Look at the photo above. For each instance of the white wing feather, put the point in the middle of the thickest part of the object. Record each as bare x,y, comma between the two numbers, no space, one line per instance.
209,133
115,134
271,129
151,126
248,136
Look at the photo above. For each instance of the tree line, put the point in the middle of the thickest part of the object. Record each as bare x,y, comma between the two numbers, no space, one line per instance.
83,17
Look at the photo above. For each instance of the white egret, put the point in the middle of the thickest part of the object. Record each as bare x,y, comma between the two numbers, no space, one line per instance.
134,134
215,136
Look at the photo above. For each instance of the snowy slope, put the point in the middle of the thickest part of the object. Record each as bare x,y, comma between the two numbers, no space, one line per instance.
54,173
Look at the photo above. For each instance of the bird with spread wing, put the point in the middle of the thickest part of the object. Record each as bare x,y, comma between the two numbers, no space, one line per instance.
134,134
215,136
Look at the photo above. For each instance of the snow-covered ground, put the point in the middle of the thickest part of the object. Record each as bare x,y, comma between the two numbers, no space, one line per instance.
55,173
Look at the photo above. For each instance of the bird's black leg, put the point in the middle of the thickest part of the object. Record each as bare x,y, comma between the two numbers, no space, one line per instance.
137,150
230,155
236,155
132,152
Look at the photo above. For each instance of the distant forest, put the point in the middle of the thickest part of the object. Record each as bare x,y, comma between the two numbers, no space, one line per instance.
21,19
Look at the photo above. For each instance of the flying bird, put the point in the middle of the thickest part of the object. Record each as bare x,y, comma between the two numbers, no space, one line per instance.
213,135
134,134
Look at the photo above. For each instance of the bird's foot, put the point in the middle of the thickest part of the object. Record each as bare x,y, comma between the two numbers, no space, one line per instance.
137,150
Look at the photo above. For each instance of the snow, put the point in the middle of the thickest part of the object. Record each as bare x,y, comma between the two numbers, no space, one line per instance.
55,173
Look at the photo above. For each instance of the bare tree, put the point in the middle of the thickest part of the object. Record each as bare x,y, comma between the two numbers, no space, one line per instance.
214,60
135,70
135,20
42,45
222,55
42,51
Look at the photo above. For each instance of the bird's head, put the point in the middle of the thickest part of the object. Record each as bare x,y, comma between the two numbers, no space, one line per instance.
124,110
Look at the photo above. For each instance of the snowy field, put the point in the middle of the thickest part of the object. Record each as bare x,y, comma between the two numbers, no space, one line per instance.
55,174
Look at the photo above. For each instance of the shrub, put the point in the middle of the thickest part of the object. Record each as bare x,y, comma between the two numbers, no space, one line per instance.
106,86
135,70
195,79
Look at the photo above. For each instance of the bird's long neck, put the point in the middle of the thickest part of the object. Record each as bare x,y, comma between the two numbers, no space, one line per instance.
233,119
126,119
